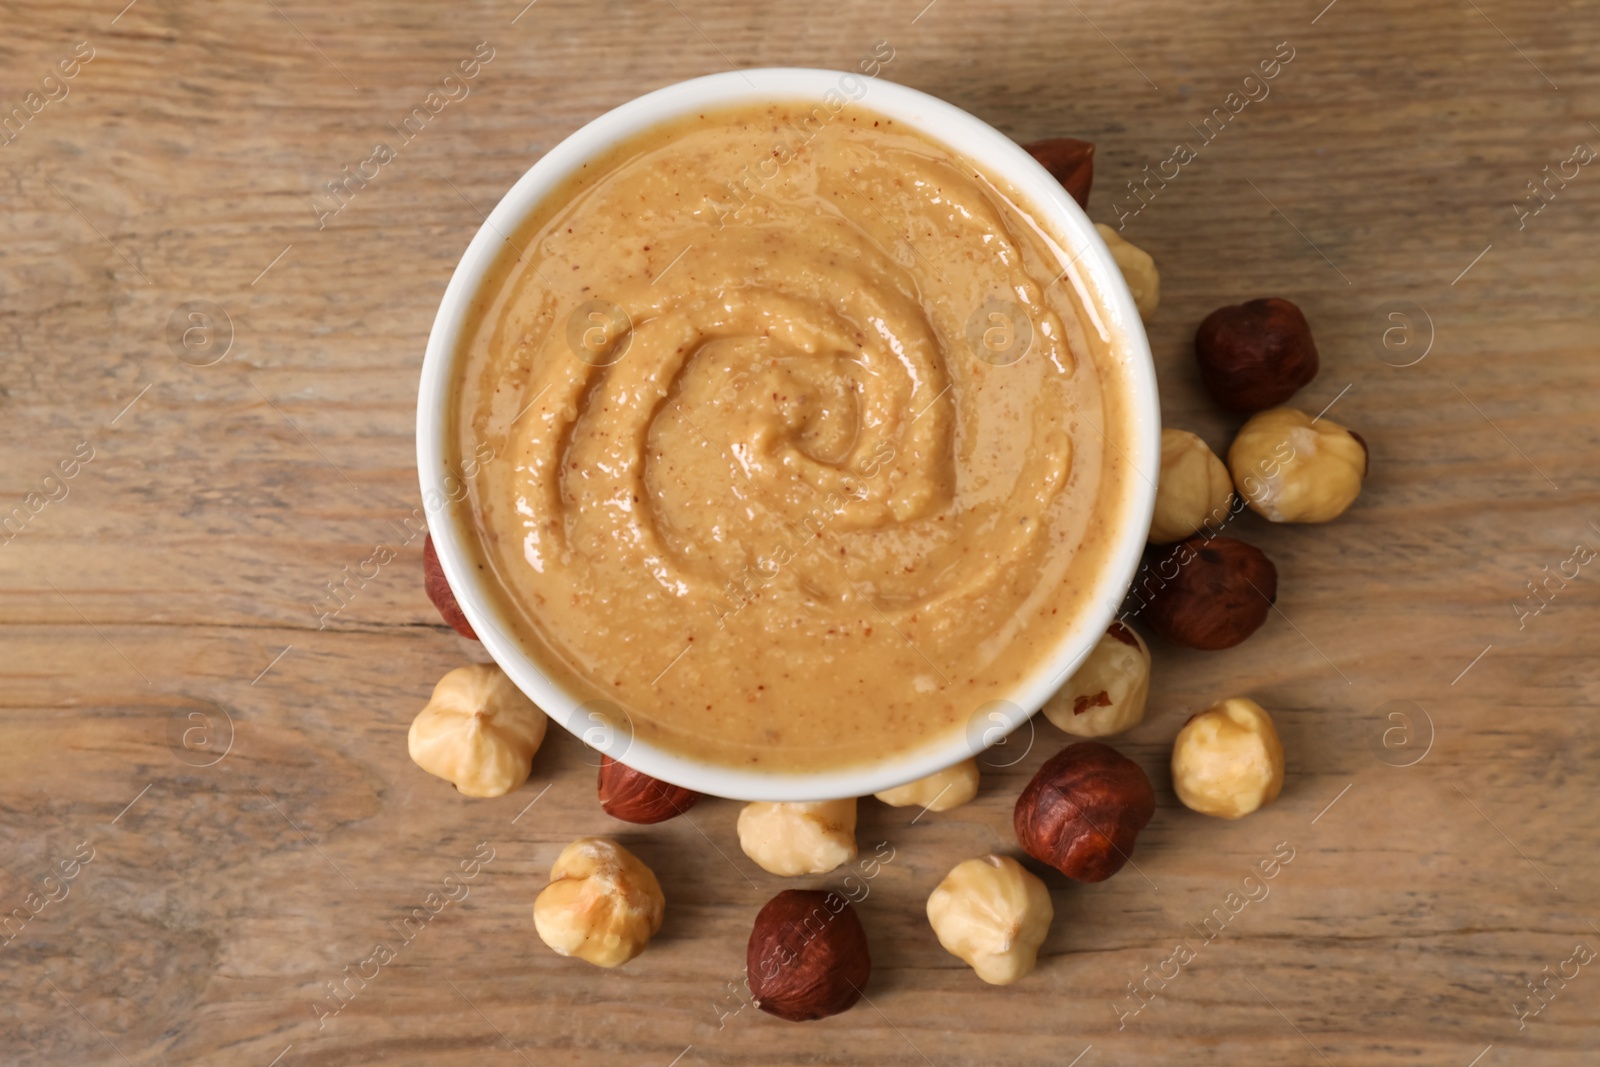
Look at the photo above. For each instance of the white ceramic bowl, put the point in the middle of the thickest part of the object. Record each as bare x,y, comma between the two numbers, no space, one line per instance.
1055,211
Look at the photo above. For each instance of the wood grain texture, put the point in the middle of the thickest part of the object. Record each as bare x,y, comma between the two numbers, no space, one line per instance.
195,547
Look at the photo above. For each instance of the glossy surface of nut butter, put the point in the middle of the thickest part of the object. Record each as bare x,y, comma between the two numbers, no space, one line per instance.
797,423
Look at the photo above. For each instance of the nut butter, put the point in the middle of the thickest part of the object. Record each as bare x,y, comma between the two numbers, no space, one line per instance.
808,440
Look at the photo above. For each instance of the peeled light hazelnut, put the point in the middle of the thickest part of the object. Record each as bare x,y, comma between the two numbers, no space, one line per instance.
1256,354
1208,594
602,904
799,838
438,587
477,731
1083,810
993,913
1106,694
940,791
1138,270
1227,760
1291,469
807,957
1194,488
634,796
1069,161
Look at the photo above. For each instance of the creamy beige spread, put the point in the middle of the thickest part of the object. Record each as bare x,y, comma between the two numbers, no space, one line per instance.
800,431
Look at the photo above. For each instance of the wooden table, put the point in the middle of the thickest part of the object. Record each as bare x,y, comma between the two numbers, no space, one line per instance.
181,706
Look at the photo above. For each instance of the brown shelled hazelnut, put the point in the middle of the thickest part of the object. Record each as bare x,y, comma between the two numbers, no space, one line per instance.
1083,810
1207,594
807,957
1255,355
634,796
438,588
1069,161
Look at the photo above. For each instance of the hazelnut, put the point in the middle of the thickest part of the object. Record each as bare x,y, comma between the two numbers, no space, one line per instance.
1138,270
1227,760
433,580
1194,488
1291,469
477,731
602,904
1069,161
1208,594
799,838
807,957
1255,355
940,791
633,796
1106,694
994,913
1083,810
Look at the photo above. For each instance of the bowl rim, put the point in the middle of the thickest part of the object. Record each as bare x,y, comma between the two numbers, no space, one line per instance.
1052,208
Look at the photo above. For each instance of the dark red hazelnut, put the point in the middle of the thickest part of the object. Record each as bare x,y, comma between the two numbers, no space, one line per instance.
439,591
1255,355
1083,810
1121,632
634,796
1069,161
808,956
1207,594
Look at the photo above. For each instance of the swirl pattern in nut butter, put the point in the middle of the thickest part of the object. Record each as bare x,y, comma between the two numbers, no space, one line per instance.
806,443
